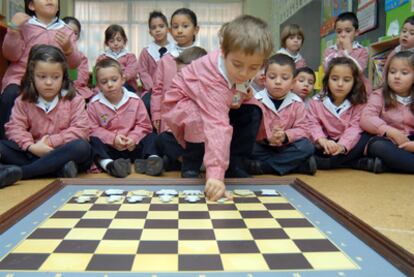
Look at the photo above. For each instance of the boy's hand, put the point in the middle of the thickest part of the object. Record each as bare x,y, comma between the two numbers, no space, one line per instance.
278,137
120,142
130,144
215,189
347,44
64,42
329,146
340,150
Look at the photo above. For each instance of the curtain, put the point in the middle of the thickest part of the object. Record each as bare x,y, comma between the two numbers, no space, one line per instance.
132,15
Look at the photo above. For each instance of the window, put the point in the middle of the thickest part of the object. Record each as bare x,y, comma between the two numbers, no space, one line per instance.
96,16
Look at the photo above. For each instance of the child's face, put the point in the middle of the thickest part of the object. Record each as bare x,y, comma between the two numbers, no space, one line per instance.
340,82
110,82
44,9
260,78
241,67
75,29
345,30
48,79
279,80
400,77
304,83
183,30
158,29
407,36
116,43
294,43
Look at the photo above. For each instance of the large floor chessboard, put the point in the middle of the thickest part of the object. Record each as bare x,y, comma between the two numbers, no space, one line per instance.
255,233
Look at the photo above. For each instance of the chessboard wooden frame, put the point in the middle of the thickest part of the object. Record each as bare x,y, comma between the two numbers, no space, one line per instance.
395,254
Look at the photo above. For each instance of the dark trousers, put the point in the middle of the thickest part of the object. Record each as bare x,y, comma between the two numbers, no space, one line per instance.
396,159
7,99
347,160
246,122
145,148
168,146
147,101
286,158
32,166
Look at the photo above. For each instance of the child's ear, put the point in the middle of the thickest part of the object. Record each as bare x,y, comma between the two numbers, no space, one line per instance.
357,32
262,79
196,29
30,6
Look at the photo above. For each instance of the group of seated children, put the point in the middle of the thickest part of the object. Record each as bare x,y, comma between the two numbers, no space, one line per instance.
234,111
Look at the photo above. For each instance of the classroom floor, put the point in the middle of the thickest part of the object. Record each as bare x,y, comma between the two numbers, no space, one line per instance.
383,201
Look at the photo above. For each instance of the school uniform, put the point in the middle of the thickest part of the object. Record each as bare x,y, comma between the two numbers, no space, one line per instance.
66,124
16,48
82,80
129,64
196,108
377,120
359,54
129,118
298,58
165,72
148,61
291,117
340,124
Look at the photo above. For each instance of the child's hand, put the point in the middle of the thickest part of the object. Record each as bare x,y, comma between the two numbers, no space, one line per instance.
130,144
407,146
347,44
329,146
156,124
397,136
340,150
20,18
120,142
41,148
64,42
278,137
215,189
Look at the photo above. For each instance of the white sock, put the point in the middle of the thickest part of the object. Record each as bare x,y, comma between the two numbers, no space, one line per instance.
104,163
153,156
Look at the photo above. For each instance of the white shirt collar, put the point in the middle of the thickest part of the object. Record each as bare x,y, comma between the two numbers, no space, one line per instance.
153,50
407,100
48,106
177,50
296,57
54,25
264,97
125,97
336,110
399,49
115,55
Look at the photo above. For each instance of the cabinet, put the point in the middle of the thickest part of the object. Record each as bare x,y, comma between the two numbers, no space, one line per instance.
378,53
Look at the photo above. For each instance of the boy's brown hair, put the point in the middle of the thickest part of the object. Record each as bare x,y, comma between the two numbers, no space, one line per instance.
248,34
190,54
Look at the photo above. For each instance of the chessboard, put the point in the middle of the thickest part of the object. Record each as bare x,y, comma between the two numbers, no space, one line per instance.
154,229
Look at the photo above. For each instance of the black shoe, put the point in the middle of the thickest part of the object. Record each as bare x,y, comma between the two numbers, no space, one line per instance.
379,166
366,164
152,166
170,165
308,167
10,174
69,170
237,172
190,174
254,167
119,168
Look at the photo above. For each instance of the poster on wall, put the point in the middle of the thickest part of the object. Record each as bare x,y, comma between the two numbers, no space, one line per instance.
330,10
392,4
367,14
